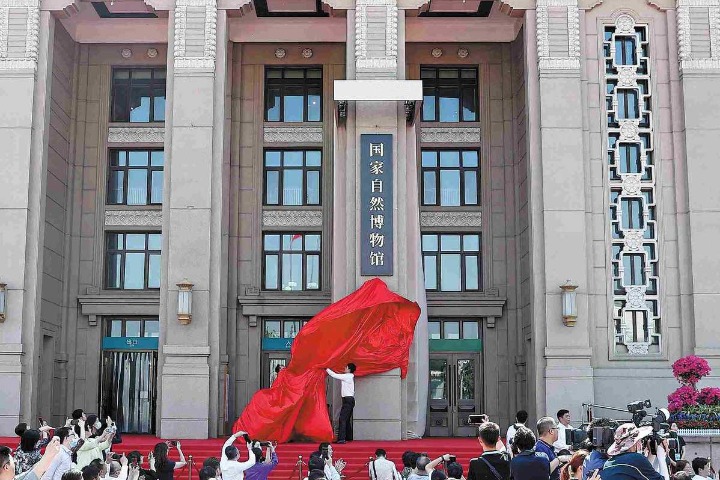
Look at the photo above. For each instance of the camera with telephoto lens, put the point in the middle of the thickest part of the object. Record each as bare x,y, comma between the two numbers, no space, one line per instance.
659,423
575,437
452,459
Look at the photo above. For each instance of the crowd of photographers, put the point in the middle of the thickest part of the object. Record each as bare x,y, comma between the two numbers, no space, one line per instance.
82,450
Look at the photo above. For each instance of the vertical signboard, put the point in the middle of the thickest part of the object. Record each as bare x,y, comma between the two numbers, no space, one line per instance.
376,209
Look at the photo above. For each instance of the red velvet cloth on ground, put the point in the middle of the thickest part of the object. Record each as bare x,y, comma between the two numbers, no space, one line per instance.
372,328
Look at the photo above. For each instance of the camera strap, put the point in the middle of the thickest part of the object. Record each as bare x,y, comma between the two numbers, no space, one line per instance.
374,471
493,470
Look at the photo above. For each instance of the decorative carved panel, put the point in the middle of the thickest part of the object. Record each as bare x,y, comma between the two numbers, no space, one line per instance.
19,20
633,194
292,218
136,135
293,134
450,219
698,26
450,135
133,218
376,38
558,34
195,20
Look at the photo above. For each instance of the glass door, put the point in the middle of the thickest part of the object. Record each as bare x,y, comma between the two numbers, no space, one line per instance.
129,389
454,392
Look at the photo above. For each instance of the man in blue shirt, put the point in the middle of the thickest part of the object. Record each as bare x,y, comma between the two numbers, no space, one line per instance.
625,462
548,433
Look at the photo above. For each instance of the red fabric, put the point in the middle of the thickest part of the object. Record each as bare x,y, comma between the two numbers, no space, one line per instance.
372,328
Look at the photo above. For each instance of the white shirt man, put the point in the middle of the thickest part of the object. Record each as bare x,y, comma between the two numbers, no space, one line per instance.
381,468
230,467
347,391
563,417
520,419
63,460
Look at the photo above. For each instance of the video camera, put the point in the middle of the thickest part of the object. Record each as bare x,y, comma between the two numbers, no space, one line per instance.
601,437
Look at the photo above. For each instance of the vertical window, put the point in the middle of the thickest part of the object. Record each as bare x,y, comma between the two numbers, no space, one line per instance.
291,261
138,95
449,94
135,177
450,178
293,94
292,177
452,262
132,261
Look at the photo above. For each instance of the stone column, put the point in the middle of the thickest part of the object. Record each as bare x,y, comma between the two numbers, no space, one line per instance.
26,38
192,220
557,177
698,27
376,51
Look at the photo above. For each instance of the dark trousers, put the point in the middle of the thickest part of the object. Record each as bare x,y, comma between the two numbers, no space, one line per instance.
345,424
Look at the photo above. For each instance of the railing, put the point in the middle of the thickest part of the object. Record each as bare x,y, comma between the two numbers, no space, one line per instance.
699,432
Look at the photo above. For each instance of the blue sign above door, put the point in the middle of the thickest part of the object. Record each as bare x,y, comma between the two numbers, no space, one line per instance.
277,344
130,343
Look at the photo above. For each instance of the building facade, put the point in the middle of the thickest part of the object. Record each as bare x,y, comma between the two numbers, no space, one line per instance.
186,182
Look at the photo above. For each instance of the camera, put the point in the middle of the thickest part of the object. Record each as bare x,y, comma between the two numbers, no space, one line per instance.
247,438
602,438
265,444
477,419
453,459
575,436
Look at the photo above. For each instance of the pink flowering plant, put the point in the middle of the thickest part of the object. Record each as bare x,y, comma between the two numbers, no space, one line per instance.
690,407
689,370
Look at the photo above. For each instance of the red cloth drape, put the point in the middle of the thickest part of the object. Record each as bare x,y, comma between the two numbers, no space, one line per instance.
372,328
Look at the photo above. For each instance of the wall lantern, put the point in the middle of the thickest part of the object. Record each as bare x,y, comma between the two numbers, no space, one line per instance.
3,301
185,302
569,305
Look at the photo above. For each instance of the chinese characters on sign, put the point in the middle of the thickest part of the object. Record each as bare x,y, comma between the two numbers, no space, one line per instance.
376,210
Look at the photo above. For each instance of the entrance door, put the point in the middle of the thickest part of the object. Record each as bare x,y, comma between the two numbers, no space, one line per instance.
129,388
454,391
270,361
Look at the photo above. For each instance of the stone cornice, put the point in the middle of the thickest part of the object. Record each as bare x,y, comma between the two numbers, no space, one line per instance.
298,134
450,135
451,219
136,135
133,218
292,218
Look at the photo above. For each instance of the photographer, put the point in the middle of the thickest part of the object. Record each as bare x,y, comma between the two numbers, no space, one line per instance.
520,419
231,468
332,471
493,464
625,460
264,464
598,455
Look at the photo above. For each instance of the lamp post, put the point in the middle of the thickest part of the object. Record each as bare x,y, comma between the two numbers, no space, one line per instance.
185,302
3,301
569,305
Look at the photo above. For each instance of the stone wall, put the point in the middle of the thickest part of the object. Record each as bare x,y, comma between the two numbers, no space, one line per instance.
57,204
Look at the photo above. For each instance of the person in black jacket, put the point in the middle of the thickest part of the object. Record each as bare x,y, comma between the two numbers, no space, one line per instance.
493,464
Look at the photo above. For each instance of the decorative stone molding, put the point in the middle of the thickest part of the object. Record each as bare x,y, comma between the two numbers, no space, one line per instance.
376,38
136,135
293,134
12,12
280,53
292,218
451,219
698,26
450,135
564,16
133,218
633,208
126,53
195,19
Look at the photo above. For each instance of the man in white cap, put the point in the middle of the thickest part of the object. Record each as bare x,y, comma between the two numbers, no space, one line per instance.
626,458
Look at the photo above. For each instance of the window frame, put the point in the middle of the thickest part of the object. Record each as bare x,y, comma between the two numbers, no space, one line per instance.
460,83
281,251
303,321
463,254
462,171
461,330
142,319
283,83
123,252
149,168
304,169
154,83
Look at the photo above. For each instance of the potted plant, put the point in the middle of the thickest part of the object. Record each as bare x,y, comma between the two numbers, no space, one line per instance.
691,408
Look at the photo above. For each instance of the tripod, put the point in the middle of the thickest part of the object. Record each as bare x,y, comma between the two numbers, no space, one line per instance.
298,468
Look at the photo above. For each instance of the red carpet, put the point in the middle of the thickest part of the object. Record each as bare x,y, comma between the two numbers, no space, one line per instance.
354,453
